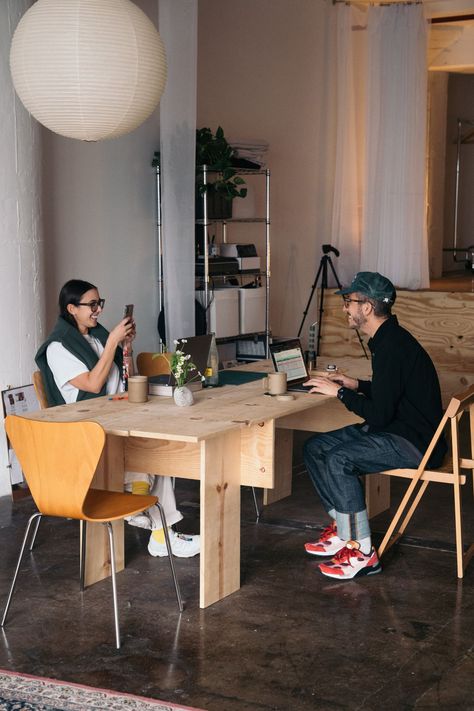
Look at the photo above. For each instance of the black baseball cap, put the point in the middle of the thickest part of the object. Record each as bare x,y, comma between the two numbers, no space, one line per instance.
373,285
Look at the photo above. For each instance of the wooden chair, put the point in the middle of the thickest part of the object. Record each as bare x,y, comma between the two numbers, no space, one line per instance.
59,460
448,474
39,389
147,365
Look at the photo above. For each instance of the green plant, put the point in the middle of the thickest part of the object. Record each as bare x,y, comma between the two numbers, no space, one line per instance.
214,152
181,365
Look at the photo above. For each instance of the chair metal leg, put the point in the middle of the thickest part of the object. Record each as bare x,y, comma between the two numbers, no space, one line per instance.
170,555
33,538
82,553
20,557
255,503
110,531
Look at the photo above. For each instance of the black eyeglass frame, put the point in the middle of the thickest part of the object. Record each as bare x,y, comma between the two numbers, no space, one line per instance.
93,305
355,301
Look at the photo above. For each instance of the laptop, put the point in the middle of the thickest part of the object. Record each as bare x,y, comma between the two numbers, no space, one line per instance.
288,358
198,348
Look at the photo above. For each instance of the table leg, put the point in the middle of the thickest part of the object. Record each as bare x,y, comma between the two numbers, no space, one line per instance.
109,475
283,467
220,517
377,493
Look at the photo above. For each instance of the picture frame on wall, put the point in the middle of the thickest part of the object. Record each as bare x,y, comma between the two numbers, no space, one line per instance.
17,401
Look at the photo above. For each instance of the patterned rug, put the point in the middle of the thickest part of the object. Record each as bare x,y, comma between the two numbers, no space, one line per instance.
22,692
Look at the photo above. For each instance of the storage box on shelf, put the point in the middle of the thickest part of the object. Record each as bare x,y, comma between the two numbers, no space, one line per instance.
222,312
251,310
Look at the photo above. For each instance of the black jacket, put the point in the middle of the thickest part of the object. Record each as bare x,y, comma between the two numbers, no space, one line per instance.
404,396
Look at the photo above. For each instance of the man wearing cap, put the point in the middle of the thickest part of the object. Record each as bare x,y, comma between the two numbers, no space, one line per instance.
401,409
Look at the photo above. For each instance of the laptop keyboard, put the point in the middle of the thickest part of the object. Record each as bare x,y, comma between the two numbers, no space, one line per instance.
299,387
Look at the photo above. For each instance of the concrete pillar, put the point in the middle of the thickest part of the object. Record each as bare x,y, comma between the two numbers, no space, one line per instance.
21,240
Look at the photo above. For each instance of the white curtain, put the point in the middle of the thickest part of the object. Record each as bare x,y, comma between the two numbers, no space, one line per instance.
348,66
380,74
178,29
394,237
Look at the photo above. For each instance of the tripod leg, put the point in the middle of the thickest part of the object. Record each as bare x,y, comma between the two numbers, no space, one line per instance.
324,284
313,289
339,285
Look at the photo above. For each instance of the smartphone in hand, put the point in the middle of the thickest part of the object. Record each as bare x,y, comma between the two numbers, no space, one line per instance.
128,311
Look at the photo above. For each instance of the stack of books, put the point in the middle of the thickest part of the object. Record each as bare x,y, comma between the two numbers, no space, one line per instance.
165,384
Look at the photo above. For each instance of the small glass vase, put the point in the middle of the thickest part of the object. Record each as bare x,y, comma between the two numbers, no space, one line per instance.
183,396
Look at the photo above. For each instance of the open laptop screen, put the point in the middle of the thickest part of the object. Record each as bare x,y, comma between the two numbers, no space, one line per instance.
288,358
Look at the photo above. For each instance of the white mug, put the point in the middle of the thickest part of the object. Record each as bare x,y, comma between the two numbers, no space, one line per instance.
275,383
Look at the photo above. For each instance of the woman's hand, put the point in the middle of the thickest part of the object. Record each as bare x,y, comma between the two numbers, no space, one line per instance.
131,335
123,330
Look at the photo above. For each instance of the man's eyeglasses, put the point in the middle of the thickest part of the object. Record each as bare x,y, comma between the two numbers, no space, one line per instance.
93,305
354,301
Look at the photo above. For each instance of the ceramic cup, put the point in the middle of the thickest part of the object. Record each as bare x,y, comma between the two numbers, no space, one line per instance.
138,388
275,383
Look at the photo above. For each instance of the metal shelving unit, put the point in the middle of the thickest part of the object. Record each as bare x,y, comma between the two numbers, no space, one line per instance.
226,223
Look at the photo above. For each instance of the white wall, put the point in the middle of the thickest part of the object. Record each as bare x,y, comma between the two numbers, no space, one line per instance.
100,220
21,248
99,209
262,74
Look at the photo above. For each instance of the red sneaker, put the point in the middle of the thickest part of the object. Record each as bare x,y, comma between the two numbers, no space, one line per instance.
327,544
351,562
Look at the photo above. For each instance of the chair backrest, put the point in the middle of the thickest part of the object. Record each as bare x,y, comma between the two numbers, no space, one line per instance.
58,459
39,389
460,403
147,365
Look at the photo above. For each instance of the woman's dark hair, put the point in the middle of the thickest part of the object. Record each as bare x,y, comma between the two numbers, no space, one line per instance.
71,293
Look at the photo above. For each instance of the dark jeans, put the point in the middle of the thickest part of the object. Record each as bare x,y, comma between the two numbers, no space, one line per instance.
335,461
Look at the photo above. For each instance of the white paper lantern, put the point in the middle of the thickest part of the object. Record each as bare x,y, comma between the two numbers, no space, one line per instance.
88,69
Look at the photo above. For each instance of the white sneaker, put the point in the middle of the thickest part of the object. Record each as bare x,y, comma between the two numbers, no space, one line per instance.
141,520
149,519
182,545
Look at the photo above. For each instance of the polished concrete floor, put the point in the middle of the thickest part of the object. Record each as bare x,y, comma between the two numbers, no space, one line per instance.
290,639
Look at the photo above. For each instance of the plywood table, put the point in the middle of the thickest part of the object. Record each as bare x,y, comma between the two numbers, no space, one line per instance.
231,436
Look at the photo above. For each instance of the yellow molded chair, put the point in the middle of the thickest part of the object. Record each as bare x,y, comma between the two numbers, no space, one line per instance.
59,460
450,474
147,365
39,389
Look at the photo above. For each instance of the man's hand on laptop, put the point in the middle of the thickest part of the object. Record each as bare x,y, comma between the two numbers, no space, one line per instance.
330,385
324,386
344,381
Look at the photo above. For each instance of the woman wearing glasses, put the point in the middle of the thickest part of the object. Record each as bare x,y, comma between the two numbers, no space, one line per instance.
80,360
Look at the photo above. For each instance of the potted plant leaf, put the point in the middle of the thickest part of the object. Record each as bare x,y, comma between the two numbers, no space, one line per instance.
223,183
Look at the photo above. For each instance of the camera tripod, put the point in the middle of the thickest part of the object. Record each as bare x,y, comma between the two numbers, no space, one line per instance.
323,273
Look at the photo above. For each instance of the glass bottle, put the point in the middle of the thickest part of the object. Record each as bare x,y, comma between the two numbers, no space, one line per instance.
212,370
